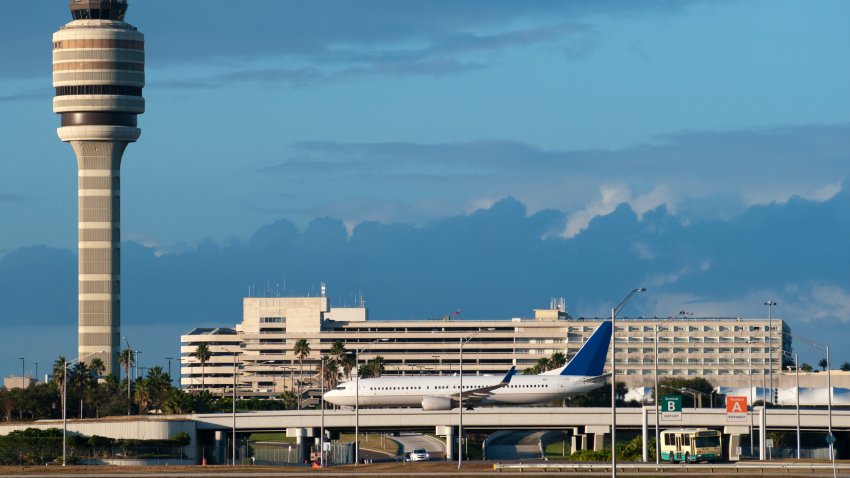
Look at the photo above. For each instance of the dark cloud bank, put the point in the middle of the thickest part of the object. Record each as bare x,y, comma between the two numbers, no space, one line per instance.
494,263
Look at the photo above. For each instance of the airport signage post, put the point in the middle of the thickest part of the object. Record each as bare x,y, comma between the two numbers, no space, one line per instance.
736,409
671,408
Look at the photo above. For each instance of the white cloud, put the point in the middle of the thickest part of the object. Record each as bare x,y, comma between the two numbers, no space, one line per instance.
612,195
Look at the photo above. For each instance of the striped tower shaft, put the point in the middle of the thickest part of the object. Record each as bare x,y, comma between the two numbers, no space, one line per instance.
99,165
99,74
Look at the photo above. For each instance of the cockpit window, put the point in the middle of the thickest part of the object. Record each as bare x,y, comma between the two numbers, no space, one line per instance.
339,388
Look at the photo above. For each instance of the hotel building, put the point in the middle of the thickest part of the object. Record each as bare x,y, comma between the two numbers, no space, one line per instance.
722,350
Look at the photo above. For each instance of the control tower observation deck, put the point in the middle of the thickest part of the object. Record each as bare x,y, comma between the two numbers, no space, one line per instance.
99,73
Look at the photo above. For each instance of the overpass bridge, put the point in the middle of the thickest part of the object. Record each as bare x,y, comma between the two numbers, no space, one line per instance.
586,426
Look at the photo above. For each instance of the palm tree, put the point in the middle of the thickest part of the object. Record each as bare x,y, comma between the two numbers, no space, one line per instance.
337,351
202,353
822,363
845,367
544,364
158,383
376,366
97,367
331,373
59,377
142,395
302,351
81,378
347,365
558,360
127,360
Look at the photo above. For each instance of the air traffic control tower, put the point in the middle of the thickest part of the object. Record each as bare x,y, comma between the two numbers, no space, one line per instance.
99,73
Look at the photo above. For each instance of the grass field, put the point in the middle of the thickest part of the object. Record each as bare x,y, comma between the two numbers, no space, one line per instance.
374,441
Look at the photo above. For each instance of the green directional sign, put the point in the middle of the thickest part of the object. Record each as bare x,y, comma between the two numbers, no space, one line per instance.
671,408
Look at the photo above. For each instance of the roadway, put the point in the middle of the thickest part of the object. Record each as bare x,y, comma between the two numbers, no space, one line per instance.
510,418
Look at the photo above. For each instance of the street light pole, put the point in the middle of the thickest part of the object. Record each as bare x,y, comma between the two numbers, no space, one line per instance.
129,365
65,402
657,404
460,411
357,398
233,433
614,311
22,372
460,398
770,305
752,405
797,380
830,437
322,403
169,368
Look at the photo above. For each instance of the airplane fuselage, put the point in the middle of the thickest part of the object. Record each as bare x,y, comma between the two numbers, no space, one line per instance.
410,391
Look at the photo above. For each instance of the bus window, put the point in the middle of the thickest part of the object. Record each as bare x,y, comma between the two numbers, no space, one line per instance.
687,439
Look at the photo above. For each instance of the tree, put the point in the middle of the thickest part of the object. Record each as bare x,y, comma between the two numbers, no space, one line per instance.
822,363
202,353
59,378
337,351
302,351
558,360
845,367
142,395
376,366
806,367
81,379
158,383
126,359
331,373
97,367
543,364
347,364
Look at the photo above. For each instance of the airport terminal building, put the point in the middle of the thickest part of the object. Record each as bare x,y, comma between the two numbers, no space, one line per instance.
261,349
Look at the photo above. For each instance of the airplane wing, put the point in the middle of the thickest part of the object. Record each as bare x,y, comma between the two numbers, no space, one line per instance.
484,392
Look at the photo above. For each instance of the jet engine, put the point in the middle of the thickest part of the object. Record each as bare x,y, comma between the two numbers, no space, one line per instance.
436,403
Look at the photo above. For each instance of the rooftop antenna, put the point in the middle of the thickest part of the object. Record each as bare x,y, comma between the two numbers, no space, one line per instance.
323,288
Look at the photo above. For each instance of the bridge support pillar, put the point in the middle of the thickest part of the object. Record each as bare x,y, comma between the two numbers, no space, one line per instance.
735,432
301,435
220,448
451,445
578,442
599,432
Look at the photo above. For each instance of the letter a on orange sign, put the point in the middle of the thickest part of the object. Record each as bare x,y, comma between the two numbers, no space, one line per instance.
736,408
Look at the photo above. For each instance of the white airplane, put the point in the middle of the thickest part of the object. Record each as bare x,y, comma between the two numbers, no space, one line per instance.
436,392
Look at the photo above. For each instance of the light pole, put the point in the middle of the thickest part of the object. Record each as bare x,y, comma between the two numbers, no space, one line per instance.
357,353
797,394
770,305
463,342
657,404
233,433
36,372
830,437
169,368
137,353
129,364
614,312
752,405
22,372
322,403
65,402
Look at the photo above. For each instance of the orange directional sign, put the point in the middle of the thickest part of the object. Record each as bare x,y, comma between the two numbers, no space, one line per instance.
736,409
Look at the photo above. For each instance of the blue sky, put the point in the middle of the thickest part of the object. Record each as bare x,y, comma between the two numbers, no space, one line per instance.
688,123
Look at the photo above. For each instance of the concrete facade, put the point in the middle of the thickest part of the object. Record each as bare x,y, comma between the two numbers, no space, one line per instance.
17,381
722,350
98,73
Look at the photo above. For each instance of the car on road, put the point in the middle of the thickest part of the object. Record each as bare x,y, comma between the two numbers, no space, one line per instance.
418,454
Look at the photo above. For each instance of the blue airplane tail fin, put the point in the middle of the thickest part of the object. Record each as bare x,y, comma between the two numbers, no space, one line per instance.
590,359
